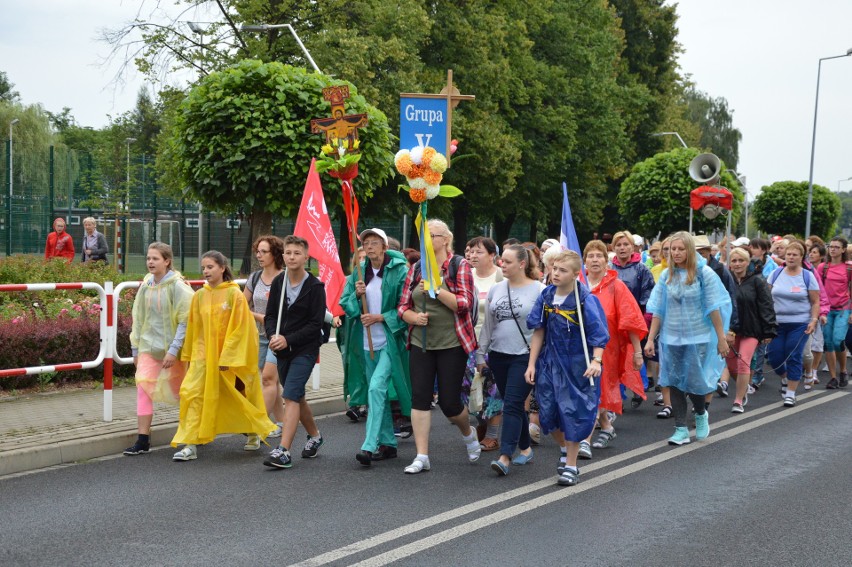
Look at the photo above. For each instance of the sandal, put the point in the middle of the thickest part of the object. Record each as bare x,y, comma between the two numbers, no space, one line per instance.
636,401
604,437
417,466
665,413
659,399
489,444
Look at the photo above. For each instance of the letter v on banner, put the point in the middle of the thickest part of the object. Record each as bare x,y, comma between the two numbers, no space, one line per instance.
313,225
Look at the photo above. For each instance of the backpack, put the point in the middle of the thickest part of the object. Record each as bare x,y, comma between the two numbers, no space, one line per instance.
806,275
452,272
848,272
253,279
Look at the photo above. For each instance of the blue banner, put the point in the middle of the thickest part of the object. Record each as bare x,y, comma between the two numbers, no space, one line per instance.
423,122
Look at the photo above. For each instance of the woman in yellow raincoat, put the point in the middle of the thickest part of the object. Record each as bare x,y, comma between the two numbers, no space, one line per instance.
221,392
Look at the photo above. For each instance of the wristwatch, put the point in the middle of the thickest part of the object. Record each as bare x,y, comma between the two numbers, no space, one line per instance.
597,359
437,292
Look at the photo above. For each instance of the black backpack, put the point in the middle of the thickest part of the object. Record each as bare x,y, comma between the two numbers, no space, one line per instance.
452,272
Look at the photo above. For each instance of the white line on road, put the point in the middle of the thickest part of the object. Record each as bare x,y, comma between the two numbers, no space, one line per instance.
528,505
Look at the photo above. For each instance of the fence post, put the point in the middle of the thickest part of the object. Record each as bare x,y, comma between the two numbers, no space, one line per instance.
107,336
9,197
183,235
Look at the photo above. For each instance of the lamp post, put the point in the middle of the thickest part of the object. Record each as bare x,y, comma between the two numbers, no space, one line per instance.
267,27
839,181
657,134
9,196
742,180
813,141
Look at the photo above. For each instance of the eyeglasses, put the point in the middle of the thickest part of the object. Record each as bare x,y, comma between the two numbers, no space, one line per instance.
262,251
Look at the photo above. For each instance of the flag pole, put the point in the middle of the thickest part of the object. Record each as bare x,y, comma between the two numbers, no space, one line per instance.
347,186
582,328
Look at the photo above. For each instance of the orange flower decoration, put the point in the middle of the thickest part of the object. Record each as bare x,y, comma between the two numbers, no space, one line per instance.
417,195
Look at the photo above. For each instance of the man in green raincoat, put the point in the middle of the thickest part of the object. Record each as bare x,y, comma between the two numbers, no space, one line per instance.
385,373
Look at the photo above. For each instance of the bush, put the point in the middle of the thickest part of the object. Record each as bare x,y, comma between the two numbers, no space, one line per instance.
30,342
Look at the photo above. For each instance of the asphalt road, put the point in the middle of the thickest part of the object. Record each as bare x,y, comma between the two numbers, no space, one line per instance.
769,487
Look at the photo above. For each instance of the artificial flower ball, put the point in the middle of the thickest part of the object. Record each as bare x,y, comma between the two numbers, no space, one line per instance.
428,153
417,195
402,160
417,183
432,177
438,163
417,155
432,191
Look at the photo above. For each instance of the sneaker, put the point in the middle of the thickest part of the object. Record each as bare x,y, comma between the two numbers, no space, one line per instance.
535,434
659,400
843,380
722,389
833,384
702,425
585,450
751,389
278,459
252,443
138,448
758,383
789,402
568,477
311,447
680,437
809,384
474,449
188,453
276,433
737,408
745,401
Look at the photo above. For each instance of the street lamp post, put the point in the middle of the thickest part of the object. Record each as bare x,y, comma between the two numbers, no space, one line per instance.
9,196
839,181
813,141
267,27
657,134
742,180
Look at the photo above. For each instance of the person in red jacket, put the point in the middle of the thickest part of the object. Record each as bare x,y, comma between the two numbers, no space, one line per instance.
59,243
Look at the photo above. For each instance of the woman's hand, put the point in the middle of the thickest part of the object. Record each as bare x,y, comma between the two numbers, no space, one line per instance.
722,346
593,370
529,375
169,361
637,361
823,319
811,327
421,319
277,342
650,351
731,338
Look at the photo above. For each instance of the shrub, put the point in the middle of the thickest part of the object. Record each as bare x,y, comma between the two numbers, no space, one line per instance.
31,342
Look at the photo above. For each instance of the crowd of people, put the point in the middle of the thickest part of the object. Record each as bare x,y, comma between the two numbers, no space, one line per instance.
510,342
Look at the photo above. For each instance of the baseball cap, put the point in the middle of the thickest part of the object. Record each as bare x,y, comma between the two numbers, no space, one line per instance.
638,240
376,231
741,241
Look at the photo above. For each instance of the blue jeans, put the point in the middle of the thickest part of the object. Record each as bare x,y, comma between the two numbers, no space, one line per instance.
789,345
379,420
757,363
834,330
508,370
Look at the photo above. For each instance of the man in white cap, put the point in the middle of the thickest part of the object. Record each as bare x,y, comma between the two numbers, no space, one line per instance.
385,367
704,249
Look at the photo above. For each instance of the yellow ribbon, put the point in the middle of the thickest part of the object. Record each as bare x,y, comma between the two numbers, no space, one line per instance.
567,313
432,274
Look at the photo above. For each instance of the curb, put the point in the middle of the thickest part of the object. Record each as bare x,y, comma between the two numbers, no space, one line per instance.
71,451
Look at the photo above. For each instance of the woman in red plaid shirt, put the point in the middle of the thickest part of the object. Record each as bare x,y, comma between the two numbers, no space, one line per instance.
440,338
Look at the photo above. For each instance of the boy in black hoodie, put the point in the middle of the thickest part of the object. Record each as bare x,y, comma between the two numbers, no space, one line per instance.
297,300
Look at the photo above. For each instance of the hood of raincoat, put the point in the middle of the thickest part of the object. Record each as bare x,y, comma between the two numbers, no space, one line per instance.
634,258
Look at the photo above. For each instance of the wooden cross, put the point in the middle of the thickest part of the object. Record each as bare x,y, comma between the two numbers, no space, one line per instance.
339,126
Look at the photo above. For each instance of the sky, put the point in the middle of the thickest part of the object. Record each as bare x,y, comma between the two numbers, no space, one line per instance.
760,55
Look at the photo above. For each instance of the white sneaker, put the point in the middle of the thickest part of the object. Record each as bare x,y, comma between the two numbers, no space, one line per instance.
188,453
535,434
474,449
252,443
276,433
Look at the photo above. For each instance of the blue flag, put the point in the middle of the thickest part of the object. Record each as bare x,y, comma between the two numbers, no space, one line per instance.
567,235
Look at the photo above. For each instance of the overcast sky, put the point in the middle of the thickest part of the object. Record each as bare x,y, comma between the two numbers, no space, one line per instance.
761,55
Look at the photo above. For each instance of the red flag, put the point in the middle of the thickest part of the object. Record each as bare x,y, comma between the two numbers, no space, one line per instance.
313,225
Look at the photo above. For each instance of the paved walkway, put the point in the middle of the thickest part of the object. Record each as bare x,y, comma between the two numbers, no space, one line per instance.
42,430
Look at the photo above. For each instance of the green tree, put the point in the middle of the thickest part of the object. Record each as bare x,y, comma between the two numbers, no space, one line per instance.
7,89
655,196
241,139
781,208
715,120
846,209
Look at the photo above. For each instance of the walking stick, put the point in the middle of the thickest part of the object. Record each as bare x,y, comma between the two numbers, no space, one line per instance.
582,328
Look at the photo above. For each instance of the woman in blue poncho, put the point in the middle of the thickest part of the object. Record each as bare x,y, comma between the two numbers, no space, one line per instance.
691,314
567,399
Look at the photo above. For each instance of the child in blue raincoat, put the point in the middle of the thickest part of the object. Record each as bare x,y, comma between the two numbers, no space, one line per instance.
692,311
567,398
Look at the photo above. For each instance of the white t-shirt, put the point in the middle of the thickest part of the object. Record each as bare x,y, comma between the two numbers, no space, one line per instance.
374,305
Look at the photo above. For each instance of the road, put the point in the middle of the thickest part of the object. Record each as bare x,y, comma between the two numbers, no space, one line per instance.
769,487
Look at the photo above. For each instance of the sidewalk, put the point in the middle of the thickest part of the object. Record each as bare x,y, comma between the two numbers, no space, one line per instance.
42,430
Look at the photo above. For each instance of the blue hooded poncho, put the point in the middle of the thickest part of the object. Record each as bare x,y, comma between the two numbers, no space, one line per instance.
567,400
689,360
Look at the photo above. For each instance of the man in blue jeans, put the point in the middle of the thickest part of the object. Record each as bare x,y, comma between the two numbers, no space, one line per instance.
293,322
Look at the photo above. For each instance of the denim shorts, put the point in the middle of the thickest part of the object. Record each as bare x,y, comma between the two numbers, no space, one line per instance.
294,374
265,355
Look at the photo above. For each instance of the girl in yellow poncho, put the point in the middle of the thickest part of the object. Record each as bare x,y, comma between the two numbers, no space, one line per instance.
221,392
160,311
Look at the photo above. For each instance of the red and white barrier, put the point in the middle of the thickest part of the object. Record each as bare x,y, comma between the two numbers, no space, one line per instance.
108,338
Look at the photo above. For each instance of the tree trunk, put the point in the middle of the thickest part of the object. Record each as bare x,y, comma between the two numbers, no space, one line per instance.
503,227
260,222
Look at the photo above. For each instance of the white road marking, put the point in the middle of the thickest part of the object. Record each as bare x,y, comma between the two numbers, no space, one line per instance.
528,505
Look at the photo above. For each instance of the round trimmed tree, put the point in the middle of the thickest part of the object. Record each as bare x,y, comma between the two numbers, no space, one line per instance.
782,208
